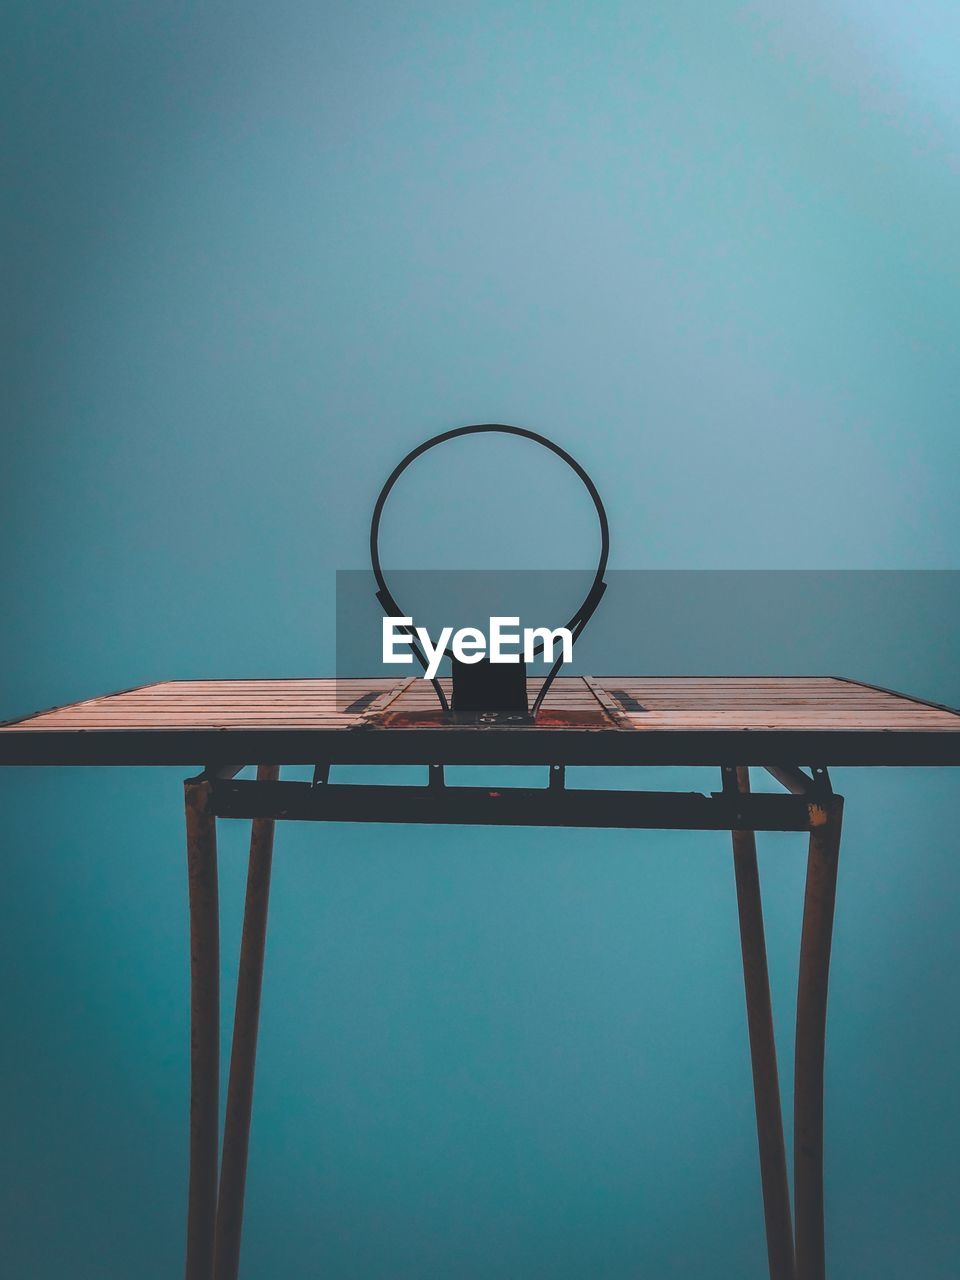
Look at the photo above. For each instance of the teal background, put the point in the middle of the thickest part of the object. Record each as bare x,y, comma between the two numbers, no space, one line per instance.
251,255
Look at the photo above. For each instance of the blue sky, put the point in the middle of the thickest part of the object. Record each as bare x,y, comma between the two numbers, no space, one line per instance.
251,257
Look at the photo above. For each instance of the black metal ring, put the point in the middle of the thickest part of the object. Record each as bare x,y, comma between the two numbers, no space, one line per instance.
592,597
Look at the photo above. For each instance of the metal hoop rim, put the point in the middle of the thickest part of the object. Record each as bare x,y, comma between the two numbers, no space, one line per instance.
488,428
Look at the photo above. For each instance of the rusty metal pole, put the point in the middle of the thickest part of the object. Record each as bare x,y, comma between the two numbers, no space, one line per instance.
236,1132
818,908
204,1028
763,1052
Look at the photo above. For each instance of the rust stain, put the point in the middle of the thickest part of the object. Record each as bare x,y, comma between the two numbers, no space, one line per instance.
435,718
594,718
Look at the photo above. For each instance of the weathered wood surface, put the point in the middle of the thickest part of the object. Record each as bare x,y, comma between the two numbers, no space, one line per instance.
613,719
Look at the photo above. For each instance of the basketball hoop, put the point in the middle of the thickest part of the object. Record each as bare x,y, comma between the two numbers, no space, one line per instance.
483,689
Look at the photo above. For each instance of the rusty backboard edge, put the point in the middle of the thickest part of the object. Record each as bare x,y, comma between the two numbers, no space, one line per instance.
491,746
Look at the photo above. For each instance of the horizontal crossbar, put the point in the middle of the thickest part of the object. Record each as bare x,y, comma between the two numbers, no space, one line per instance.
517,806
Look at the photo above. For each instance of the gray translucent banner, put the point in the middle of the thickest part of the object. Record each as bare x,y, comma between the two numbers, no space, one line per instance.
895,628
